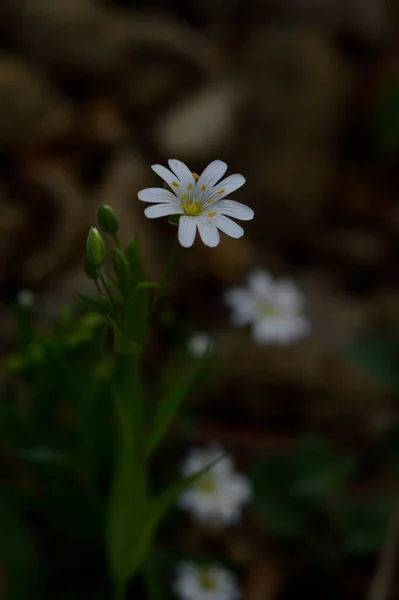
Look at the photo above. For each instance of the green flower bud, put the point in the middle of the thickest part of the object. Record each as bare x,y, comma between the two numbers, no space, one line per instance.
121,264
95,248
108,219
88,268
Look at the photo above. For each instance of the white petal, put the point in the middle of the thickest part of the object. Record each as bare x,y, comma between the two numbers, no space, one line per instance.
231,208
162,210
187,231
225,187
156,195
184,176
208,232
261,284
228,226
210,176
169,177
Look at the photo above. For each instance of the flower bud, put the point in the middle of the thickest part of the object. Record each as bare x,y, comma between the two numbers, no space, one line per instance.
88,268
108,219
121,265
95,248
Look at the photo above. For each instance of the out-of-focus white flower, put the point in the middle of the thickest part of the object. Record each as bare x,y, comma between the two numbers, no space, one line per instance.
219,495
200,200
273,308
199,343
213,582
25,298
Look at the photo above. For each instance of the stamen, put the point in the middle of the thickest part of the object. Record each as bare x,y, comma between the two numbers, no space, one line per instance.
197,204
195,175
221,192
203,188
209,201
212,214
175,184
184,197
190,186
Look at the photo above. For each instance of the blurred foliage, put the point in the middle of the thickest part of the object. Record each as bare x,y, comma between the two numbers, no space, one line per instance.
301,495
377,354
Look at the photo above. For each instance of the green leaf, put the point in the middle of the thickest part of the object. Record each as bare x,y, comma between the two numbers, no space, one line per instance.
127,513
320,470
280,511
157,509
168,407
17,553
122,345
363,523
96,305
128,504
143,285
377,354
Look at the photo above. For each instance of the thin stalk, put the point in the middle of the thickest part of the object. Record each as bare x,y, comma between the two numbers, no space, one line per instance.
107,288
116,240
165,277
99,291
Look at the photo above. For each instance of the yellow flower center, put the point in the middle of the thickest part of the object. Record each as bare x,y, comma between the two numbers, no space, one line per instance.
206,484
206,581
191,208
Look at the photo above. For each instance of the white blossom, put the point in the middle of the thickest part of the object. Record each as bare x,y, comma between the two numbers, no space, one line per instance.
200,200
213,582
199,343
219,495
273,308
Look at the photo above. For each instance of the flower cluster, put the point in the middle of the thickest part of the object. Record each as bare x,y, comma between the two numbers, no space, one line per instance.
219,495
200,200
273,308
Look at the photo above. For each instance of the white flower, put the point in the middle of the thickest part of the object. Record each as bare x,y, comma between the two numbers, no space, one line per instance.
212,582
273,308
200,200
199,343
218,496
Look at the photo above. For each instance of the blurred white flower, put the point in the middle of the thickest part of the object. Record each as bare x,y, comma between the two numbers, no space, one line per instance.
213,582
273,308
200,200
25,298
199,343
219,495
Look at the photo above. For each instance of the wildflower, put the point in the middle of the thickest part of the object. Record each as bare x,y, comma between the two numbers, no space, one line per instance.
199,344
200,200
273,308
213,582
218,496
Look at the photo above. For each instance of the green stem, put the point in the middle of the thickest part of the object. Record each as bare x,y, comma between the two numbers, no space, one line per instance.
165,276
116,240
98,287
107,288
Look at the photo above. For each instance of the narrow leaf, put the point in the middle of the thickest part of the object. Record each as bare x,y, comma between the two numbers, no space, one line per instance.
158,507
169,406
